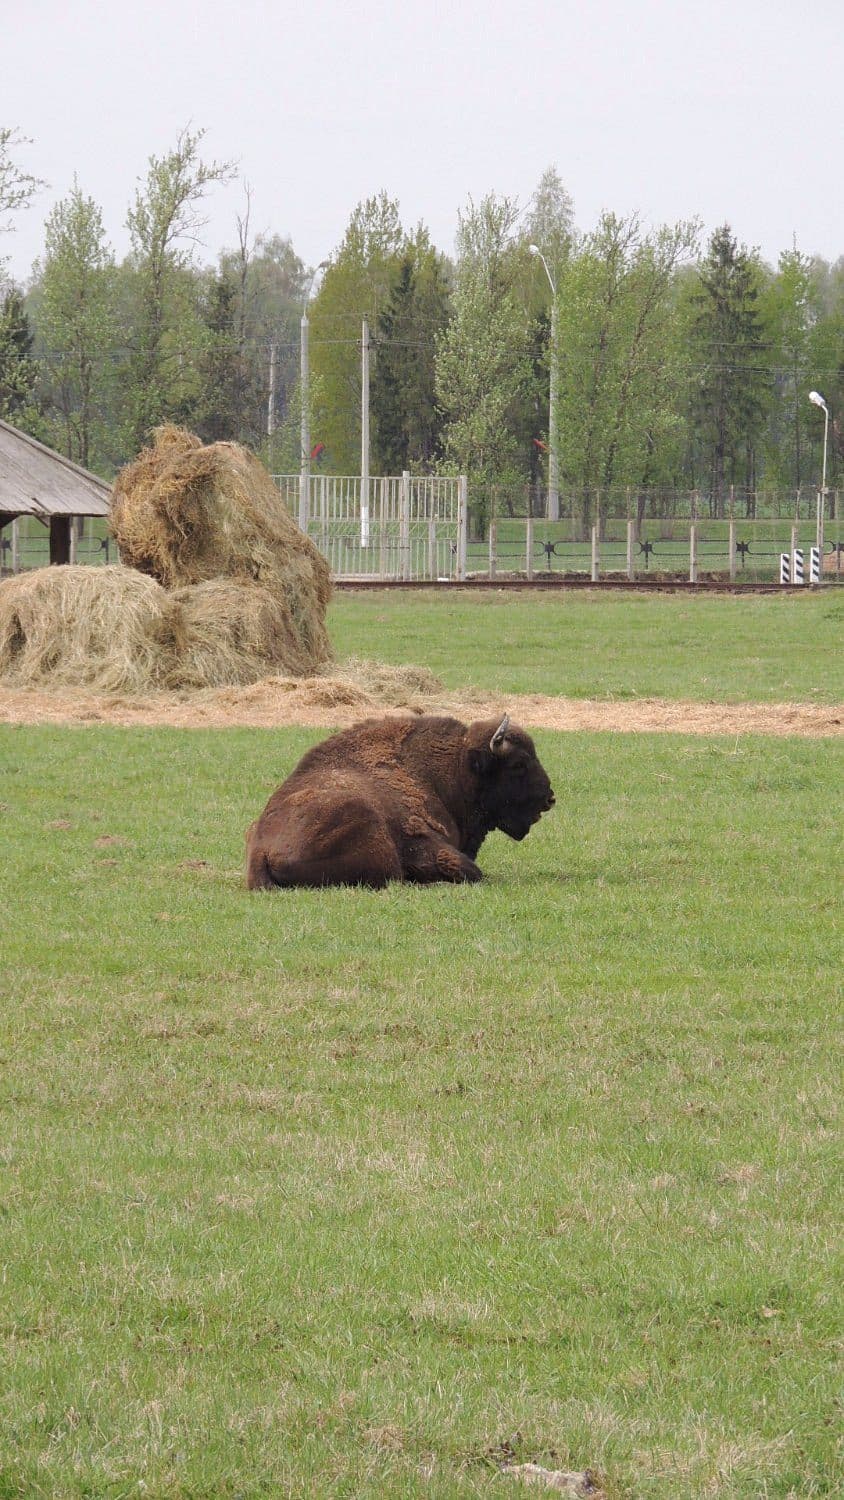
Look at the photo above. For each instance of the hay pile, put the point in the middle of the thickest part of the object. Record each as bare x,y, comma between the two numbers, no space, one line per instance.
218,585
235,631
187,513
108,628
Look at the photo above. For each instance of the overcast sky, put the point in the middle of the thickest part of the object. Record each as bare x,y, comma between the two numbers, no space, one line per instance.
729,110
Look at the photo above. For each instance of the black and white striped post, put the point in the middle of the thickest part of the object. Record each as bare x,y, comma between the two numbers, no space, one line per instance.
814,565
785,567
797,565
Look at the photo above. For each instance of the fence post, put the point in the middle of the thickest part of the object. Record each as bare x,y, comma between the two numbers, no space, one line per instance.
794,537
404,524
462,525
16,545
529,547
595,559
74,537
631,566
432,547
732,549
304,500
693,552
493,539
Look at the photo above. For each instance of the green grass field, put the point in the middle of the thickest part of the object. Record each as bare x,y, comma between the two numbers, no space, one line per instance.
353,1194
727,648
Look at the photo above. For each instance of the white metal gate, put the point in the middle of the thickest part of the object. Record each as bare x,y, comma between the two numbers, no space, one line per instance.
407,526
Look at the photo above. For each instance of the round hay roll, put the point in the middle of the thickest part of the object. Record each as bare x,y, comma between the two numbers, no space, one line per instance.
235,632
107,628
187,513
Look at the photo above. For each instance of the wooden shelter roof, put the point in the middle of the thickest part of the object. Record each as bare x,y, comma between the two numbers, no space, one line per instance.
37,481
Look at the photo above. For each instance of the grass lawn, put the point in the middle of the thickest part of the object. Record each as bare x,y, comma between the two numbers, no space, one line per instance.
343,1193
731,649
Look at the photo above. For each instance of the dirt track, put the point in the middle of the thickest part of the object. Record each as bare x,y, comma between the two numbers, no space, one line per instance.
336,702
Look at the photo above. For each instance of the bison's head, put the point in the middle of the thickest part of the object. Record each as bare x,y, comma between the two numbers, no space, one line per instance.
513,789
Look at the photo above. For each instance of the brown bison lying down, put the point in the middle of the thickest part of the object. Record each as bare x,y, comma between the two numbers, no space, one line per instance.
397,799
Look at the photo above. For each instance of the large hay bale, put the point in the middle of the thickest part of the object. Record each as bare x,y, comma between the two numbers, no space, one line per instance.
108,628
187,513
235,633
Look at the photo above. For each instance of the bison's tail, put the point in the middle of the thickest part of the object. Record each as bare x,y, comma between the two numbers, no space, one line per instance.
258,876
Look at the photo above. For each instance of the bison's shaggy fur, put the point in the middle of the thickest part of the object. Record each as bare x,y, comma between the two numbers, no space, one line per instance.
397,799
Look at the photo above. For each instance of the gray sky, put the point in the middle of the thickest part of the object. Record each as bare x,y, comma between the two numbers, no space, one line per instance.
723,109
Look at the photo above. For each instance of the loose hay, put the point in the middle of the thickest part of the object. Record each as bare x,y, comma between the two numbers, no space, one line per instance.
187,513
235,633
107,628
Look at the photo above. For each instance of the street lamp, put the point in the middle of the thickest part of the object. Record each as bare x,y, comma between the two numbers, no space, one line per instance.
553,480
304,397
817,400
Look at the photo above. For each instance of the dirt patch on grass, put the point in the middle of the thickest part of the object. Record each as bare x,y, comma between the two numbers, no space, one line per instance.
336,701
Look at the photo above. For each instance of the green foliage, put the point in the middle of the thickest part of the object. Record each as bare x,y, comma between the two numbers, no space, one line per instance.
18,369
77,327
357,285
483,356
17,187
167,331
618,363
405,418
733,384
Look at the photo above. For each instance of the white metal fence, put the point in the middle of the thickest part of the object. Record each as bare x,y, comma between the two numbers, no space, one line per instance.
403,526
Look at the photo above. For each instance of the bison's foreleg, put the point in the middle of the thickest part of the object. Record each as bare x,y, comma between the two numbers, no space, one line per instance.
428,859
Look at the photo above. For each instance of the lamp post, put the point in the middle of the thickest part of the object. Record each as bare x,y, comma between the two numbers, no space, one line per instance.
817,400
553,479
304,397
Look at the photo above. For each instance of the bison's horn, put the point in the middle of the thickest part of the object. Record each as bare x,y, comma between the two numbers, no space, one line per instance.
497,740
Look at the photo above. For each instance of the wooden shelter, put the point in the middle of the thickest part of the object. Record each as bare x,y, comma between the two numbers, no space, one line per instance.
37,481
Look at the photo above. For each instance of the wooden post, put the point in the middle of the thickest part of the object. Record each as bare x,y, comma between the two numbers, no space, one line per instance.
693,552
529,547
732,549
16,545
74,538
493,541
631,537
59,540
595,559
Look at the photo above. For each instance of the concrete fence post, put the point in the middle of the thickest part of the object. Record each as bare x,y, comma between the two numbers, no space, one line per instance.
732,549
493,547
462,525
595,557
631,538
693,552
529,547
16,545
404,525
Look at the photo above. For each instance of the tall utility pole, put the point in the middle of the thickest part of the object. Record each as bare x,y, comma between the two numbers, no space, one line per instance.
553,471
305,401
818,400
364,435
271,405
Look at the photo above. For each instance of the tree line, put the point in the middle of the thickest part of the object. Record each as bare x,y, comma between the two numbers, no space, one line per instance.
679,364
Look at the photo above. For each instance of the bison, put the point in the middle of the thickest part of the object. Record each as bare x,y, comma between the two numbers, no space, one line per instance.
397,799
